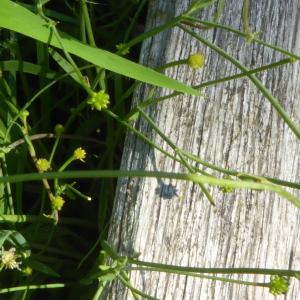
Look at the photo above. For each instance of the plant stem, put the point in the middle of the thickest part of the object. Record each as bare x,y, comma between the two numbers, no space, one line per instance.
274,102
178,152
238,32
150,101
280,272
180,176
193,274
34,287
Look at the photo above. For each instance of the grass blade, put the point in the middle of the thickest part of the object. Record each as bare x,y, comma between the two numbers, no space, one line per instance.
17,18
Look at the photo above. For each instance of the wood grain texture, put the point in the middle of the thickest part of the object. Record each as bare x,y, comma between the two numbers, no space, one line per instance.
234,127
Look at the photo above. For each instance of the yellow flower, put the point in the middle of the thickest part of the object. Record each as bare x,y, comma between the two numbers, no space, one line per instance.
57,203
42,164
196,60
80,154
9,259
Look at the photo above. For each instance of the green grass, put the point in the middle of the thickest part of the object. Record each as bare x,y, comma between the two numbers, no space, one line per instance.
65,107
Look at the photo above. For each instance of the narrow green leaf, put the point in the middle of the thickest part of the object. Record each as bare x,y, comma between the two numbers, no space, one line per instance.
26,67
17,18
64,64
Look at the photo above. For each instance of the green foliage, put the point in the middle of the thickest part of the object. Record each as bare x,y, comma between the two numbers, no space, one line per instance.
65,103
15,17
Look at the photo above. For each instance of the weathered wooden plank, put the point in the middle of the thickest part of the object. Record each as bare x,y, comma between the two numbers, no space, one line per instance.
234,127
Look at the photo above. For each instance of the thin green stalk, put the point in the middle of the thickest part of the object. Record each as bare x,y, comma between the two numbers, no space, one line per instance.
33,155
193,274
172,64
34,287
177,151
126,94
197,272
147,140
243,34
123,274
197,5
101,288
134,20
149,102
151,33
243,74
134,290
78,193
91,39
158,266
52,25
72,62
274,102
74,113
62,168
46,101
198,160
245,184
194,157
55,145
88,25
82,25
219,11
245,17
43,219
193,171
138,133
91,250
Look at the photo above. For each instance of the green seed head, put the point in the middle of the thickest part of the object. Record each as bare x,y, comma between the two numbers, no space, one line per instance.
59,129
196,60
98,100
279,285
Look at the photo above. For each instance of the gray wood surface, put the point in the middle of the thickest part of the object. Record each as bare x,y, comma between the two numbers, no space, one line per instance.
170,221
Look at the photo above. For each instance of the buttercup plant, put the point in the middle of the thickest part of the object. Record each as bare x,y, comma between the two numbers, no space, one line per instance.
56,82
